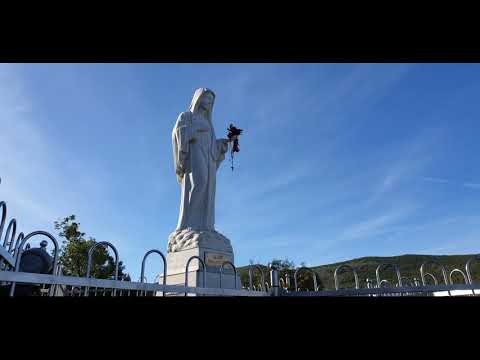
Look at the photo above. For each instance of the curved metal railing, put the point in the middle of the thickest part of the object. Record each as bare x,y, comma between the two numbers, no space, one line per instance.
16,245
465,277
435,281
346,266
406,281
7,259
89,261
450,276
6,243
234,273
142,273
433,262
250,277
385,265
467,268
20,237
204,271
3,205
311,272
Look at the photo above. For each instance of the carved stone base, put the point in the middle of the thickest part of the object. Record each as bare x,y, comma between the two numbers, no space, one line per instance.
210,246
195,279
177,261
185,239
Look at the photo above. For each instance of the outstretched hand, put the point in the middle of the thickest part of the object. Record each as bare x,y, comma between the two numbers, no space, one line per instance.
225,143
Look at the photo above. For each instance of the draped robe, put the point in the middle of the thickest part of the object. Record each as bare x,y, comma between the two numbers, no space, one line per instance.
197,156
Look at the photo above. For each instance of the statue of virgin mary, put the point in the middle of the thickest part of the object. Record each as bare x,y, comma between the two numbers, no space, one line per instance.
197,154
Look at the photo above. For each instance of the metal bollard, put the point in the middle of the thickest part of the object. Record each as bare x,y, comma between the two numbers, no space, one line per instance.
275,288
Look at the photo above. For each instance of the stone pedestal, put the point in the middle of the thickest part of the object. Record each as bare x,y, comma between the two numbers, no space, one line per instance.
210,246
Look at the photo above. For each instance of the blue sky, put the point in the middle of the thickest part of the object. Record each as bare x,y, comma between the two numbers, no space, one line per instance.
337,160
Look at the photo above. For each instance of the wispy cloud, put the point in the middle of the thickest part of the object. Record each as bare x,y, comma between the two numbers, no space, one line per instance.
308,183
437,180
363,85
453,234
411,157
470,185
39,184
23,150
376,225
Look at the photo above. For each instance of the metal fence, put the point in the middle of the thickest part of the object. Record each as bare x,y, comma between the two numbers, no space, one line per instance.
55,283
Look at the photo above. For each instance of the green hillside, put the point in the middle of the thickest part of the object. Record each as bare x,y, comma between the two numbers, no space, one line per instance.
409,266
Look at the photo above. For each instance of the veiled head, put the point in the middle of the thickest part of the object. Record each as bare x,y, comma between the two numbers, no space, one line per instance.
203,99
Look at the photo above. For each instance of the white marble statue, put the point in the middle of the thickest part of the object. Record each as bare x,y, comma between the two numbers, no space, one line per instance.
197,154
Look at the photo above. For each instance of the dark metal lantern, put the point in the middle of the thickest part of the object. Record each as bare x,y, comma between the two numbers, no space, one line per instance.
36,260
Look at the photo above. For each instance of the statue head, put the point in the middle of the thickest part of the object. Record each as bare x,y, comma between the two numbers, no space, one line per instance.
203,100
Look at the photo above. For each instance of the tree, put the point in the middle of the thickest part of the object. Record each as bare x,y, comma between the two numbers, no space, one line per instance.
283,264
73,255
287,269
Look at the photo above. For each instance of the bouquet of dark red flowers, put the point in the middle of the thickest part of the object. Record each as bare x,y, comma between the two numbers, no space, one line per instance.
233,134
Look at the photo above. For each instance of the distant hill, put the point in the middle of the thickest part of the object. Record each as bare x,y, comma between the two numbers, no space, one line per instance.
409,266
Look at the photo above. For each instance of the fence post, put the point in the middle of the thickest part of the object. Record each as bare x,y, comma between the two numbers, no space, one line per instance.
287,281
274,291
